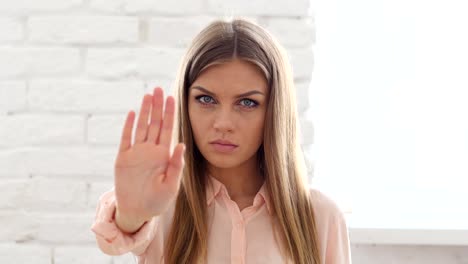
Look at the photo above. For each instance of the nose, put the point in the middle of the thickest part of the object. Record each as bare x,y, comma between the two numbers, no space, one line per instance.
224,121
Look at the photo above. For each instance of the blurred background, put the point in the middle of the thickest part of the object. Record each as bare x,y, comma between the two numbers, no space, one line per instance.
381,88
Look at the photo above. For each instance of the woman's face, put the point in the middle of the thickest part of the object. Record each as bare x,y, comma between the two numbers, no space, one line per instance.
228,102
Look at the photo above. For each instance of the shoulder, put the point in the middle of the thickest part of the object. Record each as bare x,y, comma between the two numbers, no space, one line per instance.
325,207
332,230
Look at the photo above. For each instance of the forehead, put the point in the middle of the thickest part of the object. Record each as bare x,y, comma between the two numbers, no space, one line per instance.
232,77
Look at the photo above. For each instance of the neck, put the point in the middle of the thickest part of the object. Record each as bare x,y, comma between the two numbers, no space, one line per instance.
244,180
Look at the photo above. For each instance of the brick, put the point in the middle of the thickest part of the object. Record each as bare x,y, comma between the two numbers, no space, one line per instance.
24,254
77,176
302,62
22,226
259,7
13,192
14,161
85,95
32,129
47,228
96,190
176,31
67,228
307,131
80,254
40,194
181,7
12,96
166,84
11,28
83,29
30,6
133,62
20,62
106,129
302,95
14,176
72,160
128,258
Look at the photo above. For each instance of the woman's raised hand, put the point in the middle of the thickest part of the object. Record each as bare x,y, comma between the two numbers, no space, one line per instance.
147,176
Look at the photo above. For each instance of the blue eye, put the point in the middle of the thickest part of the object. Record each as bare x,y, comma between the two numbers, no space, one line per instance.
251,104
203,101
208,100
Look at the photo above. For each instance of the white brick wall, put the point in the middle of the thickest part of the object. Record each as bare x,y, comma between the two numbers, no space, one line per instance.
69,72
11,28
27,61
83,29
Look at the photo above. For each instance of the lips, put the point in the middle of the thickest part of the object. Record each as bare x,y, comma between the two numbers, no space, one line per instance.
223,142
223,148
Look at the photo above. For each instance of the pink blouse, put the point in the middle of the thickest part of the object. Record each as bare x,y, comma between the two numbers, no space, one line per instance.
236,237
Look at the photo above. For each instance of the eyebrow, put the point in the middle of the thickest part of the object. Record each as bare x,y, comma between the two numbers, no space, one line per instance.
237,96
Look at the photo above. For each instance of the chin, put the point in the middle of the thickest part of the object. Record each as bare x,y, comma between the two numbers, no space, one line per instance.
222,162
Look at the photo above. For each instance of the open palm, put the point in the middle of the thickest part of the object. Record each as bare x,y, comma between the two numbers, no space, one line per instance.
147,177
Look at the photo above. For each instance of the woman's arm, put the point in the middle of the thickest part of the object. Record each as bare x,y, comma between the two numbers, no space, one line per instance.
332,229
338,246
114,241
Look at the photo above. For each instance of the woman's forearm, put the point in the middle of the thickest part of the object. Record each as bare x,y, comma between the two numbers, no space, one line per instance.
127,223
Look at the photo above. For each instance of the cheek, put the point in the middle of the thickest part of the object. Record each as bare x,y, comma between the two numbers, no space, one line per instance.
193,122
254,129
197,122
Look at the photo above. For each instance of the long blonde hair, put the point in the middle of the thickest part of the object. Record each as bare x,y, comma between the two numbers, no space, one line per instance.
280,156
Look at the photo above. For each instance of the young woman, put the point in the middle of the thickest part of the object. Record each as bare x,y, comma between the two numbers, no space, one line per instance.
235,190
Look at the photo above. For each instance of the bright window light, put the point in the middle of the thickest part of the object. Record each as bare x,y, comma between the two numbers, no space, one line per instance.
389,98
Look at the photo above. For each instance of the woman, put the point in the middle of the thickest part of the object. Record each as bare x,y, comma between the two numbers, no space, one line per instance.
238,193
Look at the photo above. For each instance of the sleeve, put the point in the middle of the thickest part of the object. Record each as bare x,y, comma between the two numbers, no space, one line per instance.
338,246
113,241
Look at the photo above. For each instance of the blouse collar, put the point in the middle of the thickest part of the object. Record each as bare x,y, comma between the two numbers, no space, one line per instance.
216,186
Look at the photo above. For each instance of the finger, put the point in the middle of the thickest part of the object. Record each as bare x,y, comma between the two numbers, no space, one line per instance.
167,123
175,166
126,138
142,127
156,115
